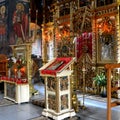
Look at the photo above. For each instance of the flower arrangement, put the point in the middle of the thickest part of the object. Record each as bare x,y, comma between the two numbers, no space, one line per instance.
17,66
21,62
11,62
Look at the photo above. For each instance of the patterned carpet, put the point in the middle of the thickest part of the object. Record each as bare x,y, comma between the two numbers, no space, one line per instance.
38,100
94,97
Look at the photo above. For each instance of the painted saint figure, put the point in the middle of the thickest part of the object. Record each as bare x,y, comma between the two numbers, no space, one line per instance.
20,23
2,24
106,48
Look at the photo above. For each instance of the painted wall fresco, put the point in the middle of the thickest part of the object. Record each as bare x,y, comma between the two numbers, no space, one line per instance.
14,23
19,29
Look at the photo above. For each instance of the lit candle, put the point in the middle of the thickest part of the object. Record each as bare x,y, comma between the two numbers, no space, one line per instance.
36,12
29,11
15,72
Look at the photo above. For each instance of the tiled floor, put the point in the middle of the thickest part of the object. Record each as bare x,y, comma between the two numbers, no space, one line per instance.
94,110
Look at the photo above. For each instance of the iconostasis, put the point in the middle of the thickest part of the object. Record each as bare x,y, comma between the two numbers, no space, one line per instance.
64,43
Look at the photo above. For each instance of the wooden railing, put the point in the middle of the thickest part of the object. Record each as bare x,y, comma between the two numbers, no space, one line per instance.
113,77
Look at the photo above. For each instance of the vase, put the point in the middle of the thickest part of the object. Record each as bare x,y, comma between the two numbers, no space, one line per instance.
103,91
19,74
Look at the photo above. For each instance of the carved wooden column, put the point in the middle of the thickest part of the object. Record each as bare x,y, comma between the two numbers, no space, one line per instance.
118,32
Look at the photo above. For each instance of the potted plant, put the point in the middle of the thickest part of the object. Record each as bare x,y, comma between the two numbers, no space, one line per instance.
100,80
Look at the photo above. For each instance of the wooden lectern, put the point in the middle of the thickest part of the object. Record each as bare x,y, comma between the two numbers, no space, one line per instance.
57,75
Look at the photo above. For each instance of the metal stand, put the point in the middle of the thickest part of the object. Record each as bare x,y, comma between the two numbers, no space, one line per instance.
83,70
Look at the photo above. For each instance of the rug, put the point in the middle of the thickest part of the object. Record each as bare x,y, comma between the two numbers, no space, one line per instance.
5,102
95,97
38,100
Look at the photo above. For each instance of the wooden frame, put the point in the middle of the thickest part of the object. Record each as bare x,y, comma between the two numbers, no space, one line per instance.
20,52
103,47
106,39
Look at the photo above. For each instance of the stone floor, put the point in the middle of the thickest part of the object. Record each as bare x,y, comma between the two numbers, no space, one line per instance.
94,110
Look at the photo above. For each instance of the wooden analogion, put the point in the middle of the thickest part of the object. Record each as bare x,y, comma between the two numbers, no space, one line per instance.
57,75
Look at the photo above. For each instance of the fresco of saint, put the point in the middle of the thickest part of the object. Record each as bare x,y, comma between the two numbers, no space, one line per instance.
20,23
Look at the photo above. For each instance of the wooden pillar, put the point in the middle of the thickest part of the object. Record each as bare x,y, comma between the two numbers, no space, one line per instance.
109,94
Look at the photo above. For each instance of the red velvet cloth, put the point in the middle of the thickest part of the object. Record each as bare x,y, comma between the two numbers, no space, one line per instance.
13,80
85,40
48,71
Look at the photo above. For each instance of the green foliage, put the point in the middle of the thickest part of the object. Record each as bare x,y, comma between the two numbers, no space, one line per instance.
100,79
21,63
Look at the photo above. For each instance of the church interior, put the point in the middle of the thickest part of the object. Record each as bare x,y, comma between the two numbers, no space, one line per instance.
58,56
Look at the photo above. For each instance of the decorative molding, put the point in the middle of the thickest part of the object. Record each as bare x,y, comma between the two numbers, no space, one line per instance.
105,10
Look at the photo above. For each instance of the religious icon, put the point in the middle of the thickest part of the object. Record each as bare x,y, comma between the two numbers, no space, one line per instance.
106,47
20,22
64,102
64,83
2,23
